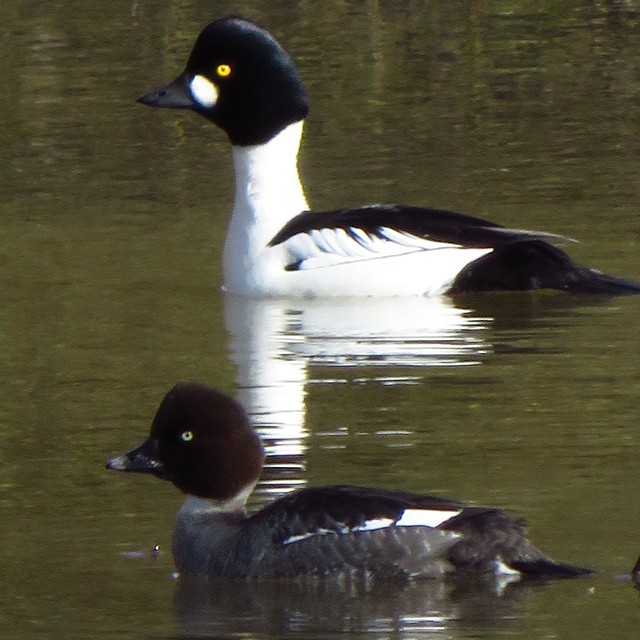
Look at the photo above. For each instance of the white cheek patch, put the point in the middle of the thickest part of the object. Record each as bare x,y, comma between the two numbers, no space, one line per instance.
425,517
203,91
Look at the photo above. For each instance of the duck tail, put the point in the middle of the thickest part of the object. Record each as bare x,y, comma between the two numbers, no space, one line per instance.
535,264
544,568
601,283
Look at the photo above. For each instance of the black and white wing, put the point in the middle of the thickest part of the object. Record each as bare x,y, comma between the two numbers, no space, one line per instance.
330,530
357,529
488,256
319,239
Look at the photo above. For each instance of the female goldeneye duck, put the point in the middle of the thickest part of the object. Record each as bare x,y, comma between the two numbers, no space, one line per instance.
202,441
239,77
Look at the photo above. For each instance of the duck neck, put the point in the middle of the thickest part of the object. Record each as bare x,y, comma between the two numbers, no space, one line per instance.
268,190
203,533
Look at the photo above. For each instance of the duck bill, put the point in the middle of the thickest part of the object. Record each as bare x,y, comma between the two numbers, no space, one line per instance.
143,459
175,95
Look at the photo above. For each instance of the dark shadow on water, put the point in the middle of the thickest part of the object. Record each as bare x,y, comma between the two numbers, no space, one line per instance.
517,319
531,309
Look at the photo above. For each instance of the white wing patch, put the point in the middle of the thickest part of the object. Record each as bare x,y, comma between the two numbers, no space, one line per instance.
409,240
425,517
309,534
431,518
372,525
331,246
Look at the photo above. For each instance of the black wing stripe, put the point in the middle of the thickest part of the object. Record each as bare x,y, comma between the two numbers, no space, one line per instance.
434,224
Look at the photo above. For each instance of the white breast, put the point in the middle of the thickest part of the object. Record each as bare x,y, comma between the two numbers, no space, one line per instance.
323,262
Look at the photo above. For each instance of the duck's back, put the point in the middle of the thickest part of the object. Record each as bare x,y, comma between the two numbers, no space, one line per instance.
359,532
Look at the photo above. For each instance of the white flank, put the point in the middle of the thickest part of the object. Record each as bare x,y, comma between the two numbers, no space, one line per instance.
203,91
328,262
425,517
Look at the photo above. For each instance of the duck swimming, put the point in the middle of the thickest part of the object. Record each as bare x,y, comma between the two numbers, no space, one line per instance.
202,441
241,79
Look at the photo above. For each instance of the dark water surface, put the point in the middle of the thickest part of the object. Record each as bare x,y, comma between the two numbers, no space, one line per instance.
113,218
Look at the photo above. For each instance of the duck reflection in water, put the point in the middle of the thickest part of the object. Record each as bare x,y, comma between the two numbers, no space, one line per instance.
426,608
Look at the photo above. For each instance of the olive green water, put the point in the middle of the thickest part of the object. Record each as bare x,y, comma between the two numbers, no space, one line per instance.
112,222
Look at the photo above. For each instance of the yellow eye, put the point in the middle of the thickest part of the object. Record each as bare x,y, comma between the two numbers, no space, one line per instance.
186,436
223,70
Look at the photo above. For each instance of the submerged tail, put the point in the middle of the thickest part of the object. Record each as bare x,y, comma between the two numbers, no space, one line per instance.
635,572
544,568
535,264
608,285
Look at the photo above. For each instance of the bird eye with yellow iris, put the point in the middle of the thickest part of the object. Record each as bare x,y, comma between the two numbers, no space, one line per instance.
223,70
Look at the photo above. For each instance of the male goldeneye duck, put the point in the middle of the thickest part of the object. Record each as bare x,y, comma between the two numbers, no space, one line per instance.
202,441
239,77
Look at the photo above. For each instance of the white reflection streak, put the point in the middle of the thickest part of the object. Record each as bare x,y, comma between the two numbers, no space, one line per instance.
273,342
270,384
